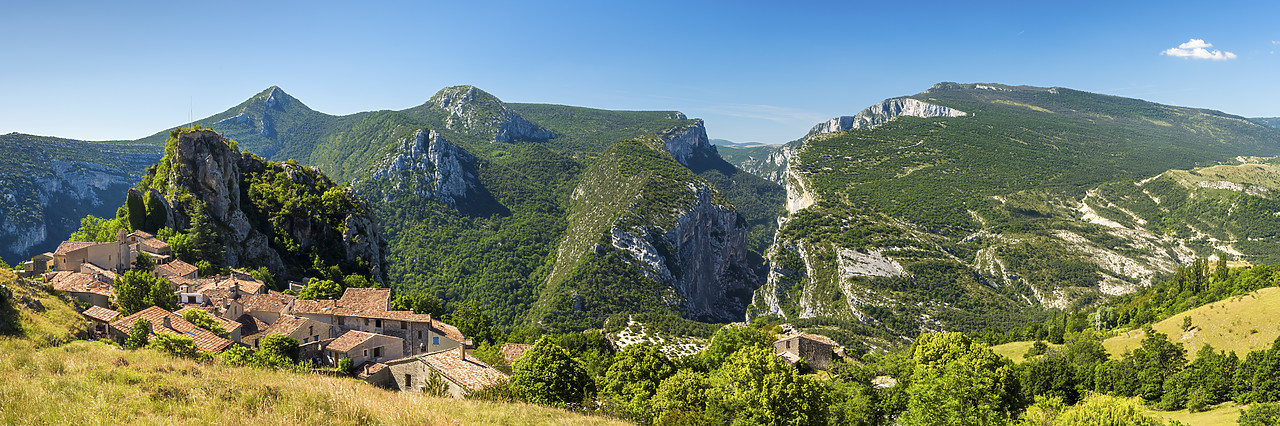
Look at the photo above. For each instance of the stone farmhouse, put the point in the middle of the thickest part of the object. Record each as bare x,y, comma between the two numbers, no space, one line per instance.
368,310
814,349
363,347
86,288
459,372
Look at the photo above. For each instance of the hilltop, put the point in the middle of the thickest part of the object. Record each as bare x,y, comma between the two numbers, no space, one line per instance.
1240,324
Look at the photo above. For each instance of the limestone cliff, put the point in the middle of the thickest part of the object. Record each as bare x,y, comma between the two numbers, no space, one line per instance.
242,195
689,144
428,166
882,112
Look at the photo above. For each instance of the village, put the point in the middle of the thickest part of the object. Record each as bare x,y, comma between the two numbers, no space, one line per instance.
357,334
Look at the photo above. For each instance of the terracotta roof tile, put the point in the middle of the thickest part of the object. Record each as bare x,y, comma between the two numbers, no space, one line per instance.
70,246
78,283
176,268
273,301
466,371
449,331
359,302
814,337
205,340
349,340
370,368
154,244
101,314
513,351
142,235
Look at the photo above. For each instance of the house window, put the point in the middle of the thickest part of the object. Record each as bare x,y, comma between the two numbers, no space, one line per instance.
377,323
366,352
315,338
788,344
408,380
341,322
377,352
366,322
305,339
419,334
255,342
403,325
311,330
435,340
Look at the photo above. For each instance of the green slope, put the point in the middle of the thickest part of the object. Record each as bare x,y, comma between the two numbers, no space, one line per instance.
974,220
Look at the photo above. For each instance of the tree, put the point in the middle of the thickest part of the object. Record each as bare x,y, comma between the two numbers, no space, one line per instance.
681,396
206,245
157,213
137,209
1264,414
730,339
139,334
144,263
1095,410
474,323
137,290
1156,360
203,320
359,281
419,303
634,377
173,344
178,242
263,274
279,345
957,381
546,374
754,386
320,289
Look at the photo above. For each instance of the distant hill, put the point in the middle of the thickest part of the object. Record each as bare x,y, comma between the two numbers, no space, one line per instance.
965,206
1267,121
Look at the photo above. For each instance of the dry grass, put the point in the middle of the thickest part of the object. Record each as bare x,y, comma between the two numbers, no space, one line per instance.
1015,350
1222,415
1241,324
96,383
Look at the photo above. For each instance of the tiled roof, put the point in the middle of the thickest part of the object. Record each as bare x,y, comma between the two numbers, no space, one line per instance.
273,301
78,283
142,235
70,246
513,351
100,313
466,371
789,357
205,340
349,340
94,269
228,325
177,268
449,331
251,325
369,369
154,244
814,337
360,302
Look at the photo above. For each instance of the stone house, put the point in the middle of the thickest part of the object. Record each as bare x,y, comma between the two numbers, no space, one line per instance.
100,319
163,321
363,348
368,310
113,255
459,372
143,242
814,349
267,308
86,288
513,351
304,330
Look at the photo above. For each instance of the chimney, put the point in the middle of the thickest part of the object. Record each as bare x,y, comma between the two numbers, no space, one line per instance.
462,353
167,324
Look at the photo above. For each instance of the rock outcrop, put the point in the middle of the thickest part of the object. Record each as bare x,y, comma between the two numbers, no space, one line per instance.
473,111
703,258
689,144
430,167
205,168
882,112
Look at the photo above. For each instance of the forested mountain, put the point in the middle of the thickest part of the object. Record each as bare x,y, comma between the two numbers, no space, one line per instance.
978,209
476,200
1267,121
47,184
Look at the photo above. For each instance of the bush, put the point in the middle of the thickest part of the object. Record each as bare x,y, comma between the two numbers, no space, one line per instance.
546,374
173,344
139,334
1263,414
203,320
279,345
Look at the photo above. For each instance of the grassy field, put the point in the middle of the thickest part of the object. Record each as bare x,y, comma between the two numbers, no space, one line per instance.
1224,414
1240,324
83,382
1015,350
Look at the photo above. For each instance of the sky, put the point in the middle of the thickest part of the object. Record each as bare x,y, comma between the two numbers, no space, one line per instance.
754,71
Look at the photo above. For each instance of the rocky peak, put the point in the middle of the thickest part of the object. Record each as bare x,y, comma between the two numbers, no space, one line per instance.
882,112
475,112
431,167
689,143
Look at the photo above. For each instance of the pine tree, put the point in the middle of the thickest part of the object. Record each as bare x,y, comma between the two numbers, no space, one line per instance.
205,243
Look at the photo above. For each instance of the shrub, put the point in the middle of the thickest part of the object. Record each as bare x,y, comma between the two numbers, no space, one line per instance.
139,334
173,344
546,374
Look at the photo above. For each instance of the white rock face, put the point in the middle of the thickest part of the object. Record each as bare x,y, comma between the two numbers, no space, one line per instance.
882,112
689,143
471,110
431,167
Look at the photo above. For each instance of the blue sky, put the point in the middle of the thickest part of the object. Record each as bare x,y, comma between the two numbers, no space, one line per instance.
755,71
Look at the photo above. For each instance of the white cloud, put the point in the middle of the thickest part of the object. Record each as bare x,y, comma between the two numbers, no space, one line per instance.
1198,49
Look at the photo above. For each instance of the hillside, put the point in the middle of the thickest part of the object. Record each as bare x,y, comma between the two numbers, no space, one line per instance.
47,184
1239,324
959,208
109,385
